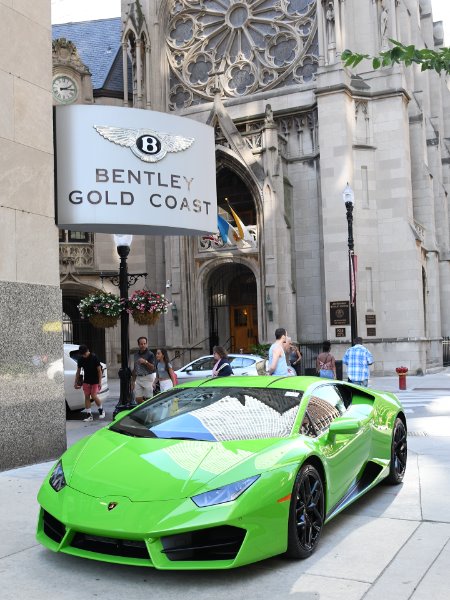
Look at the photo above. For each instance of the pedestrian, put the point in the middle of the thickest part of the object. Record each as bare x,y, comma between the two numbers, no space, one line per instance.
294,356
222,367
144,372
165,374
358,358
92,380
325,362
277,357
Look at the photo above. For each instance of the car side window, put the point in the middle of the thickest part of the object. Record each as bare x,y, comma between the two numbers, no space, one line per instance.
237,362
203,364
247,362
74,355
321,411
330,393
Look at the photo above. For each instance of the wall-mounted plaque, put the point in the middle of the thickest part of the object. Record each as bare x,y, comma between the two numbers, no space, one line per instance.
340,312
371,319
340,332
371,331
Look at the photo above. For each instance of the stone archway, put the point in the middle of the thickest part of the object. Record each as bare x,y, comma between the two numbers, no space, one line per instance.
82,332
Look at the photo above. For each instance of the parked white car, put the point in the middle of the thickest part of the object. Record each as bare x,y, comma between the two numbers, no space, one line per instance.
242,364
66,368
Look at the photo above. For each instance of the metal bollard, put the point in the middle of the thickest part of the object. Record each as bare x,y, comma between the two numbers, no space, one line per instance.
401,372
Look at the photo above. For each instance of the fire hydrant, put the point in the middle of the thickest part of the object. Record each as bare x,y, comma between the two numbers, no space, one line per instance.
401,371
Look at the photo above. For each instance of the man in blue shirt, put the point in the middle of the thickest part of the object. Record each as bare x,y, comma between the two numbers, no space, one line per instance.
358,358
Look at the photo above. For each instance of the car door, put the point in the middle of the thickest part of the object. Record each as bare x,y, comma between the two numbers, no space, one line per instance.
198,369
346,454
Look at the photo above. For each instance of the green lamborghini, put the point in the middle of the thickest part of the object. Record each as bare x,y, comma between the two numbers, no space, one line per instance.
223,472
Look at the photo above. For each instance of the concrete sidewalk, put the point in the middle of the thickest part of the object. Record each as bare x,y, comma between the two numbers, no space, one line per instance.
431,381
393,543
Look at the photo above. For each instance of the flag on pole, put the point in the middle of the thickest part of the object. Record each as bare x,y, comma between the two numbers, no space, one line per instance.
227,232
245,239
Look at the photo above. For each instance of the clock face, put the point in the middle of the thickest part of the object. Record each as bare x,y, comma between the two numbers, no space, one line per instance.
64,89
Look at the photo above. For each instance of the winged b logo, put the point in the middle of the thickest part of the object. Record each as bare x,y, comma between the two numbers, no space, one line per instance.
150,146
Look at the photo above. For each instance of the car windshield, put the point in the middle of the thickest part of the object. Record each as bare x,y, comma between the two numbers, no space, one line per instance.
214,414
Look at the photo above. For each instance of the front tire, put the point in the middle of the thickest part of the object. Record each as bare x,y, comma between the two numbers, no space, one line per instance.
399,453
306,513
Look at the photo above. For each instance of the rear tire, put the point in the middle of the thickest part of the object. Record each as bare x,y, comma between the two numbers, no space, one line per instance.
399,453
306,513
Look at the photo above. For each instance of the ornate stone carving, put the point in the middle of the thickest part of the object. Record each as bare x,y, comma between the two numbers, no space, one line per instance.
239,47
80,255
298,134
65,53
214,242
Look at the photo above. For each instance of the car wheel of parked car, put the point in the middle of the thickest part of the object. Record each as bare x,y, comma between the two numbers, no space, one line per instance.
399,453
306,514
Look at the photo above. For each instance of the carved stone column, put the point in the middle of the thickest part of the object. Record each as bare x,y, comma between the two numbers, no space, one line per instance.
139,73
125,71
148,103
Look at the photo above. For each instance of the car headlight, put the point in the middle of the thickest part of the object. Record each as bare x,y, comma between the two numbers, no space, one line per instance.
227,493
57,479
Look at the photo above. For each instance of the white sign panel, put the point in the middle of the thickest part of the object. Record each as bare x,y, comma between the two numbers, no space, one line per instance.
126,170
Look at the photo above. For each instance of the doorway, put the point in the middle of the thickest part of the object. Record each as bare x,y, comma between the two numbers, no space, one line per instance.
232,308
78,330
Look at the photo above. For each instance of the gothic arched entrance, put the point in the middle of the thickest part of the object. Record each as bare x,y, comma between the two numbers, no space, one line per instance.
78,330
232,308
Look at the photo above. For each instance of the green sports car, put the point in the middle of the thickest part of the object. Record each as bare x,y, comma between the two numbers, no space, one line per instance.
223,472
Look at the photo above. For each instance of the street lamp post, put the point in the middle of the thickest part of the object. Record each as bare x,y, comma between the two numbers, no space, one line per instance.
125,279
349,199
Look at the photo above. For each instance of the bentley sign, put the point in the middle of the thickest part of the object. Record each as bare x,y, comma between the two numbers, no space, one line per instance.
126,170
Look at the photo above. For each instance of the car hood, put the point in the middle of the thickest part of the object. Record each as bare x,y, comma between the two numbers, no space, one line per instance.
143,469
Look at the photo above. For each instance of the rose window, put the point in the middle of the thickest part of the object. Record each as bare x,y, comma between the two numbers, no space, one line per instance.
239,47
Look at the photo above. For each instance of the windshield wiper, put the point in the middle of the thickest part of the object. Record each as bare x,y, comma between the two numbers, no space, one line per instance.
139,433
179,437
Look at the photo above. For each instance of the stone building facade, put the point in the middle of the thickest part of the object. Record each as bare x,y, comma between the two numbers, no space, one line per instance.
293,126
32,416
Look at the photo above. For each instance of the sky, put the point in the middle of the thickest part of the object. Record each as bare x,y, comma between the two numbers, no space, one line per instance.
64,11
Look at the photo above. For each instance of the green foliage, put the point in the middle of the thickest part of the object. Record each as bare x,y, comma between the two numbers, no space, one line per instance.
436,60
260,350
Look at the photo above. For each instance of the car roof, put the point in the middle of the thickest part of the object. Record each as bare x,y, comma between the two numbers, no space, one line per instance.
231,355
71,346
300,383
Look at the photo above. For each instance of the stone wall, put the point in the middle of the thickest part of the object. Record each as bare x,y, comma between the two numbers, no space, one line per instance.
32,413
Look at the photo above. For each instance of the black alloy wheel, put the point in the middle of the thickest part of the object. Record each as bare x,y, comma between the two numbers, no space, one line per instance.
399,453
306,514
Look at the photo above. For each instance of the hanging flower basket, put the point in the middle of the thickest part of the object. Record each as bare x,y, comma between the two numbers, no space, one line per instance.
101,308
145,318
103,321
146,307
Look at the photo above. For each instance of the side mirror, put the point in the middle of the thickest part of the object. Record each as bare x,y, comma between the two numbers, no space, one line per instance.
343,427
188,369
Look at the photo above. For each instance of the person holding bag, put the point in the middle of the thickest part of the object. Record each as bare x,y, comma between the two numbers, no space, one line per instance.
326,363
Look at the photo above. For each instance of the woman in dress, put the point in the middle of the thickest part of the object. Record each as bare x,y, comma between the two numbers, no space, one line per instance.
326,363
165,374
222,367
